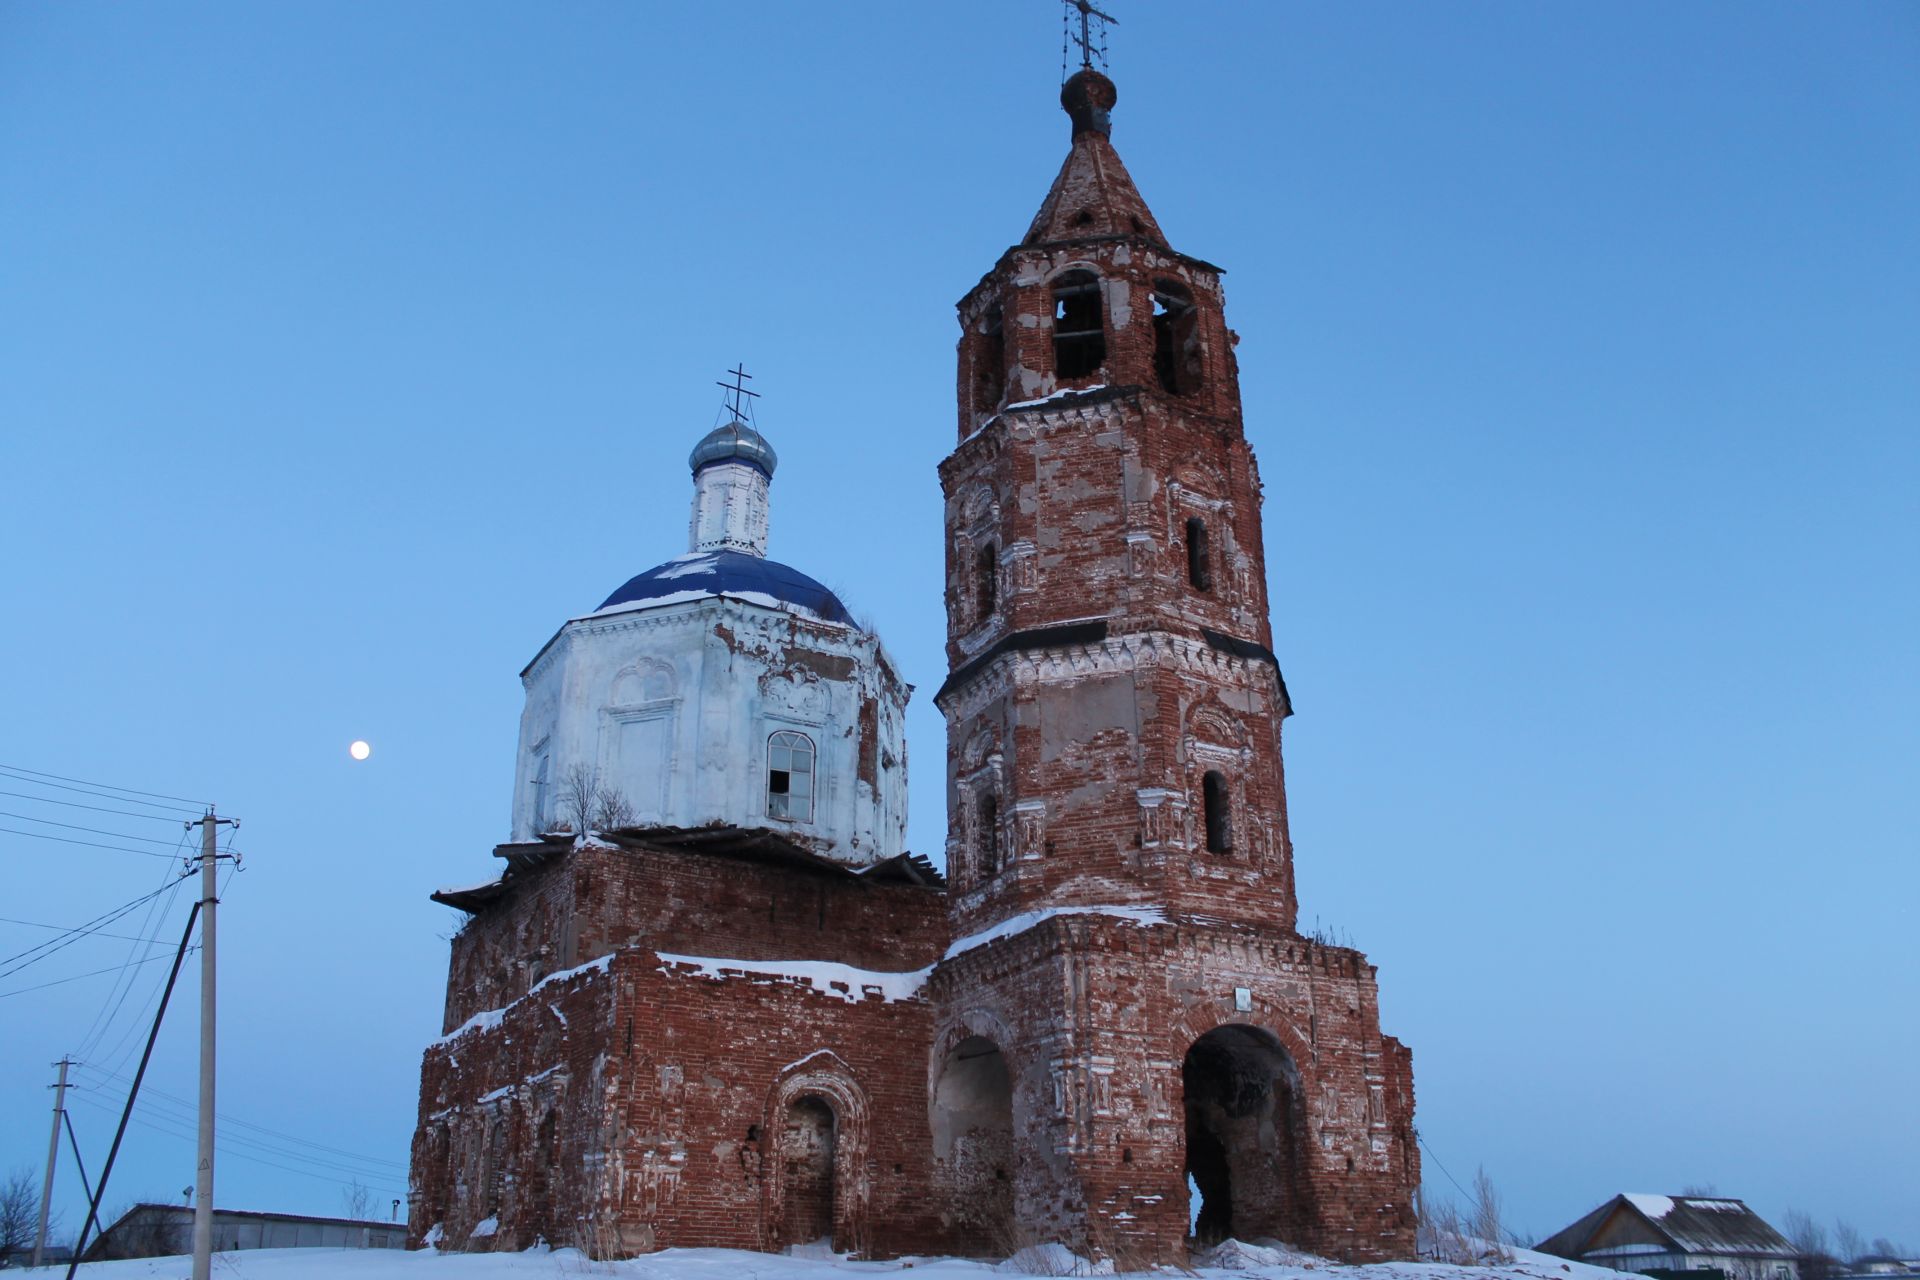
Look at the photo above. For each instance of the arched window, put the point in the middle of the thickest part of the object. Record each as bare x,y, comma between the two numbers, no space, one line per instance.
1176,351
790,776
990,363
1199,557
987,580
1079,328
1213,790
987,836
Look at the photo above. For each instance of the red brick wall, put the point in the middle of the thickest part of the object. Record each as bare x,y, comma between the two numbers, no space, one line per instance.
595,900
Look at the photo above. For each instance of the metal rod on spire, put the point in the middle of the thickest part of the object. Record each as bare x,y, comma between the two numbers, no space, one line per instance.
737,389
1088,16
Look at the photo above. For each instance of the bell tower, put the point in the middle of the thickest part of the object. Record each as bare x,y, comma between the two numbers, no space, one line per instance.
1113,703
1136,1052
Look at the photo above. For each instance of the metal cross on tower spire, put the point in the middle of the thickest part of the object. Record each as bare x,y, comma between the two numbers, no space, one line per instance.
1085,38
738,397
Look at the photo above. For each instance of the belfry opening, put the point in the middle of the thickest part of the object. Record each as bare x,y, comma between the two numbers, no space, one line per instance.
1242,1125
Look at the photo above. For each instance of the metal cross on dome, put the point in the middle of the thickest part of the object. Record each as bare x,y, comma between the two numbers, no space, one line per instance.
738,397
1085,39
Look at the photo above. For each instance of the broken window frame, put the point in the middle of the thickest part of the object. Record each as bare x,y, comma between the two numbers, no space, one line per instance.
1218,809
1079,325
791,758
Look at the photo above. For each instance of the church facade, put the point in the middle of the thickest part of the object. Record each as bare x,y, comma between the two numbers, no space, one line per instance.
709,999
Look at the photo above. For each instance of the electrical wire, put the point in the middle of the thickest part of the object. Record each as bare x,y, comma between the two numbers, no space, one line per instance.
98,831
91,844
192,1108
97,808
16,768
179,1129
35,924
60,982
116,997
71,936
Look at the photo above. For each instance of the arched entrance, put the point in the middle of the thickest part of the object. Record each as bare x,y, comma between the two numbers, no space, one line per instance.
807,1138
1243,1115
973,1139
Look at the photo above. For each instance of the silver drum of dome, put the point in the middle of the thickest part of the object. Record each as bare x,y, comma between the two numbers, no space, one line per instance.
734,442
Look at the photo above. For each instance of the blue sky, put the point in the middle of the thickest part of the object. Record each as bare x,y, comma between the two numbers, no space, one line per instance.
345,352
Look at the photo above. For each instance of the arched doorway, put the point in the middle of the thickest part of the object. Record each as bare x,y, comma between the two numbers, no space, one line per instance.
973,1139
807,1136
1243,1120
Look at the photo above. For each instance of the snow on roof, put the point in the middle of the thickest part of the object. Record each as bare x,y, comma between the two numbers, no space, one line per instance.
841,981
1028,919
489,1018
1652,1206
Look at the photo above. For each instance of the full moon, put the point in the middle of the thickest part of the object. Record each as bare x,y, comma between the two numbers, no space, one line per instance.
359,751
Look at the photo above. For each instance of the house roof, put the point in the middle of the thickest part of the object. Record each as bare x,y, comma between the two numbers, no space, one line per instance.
1678,1224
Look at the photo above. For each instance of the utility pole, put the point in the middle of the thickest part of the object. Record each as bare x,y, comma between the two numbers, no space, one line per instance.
53,1153
203,1177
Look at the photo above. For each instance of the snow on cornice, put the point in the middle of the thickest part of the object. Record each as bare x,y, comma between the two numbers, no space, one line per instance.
840,981
1028,919
487,1019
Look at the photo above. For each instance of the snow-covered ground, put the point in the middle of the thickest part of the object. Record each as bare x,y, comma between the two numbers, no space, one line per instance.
1231,1261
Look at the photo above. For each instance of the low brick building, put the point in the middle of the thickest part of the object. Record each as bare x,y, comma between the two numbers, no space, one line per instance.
1106,1030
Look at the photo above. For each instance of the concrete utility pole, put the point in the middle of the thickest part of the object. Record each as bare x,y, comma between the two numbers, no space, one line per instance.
53,1154
203,1177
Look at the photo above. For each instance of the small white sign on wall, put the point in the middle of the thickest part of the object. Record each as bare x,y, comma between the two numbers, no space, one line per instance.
1243,999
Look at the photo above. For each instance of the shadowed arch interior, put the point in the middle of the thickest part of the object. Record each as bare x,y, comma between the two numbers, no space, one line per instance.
973,1139
1243,1120
807,1140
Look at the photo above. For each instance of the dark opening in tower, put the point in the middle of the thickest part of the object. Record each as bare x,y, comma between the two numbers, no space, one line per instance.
990,363
1199,555
1079,327
1176,348
987,836
986,580
1242,1122
1213,790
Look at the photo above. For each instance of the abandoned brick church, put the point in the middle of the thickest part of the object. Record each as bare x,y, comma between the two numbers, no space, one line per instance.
709,1000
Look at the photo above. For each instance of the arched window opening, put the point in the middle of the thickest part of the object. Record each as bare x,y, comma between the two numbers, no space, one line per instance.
990,363
807,1141
1176,348
987,580
1243,1102
986,836
973,1143
1199,555
1213,790
790,776
1079,328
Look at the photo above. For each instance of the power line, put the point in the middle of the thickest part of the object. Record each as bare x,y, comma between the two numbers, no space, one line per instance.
116,997
72,936
160,1125
75,804
98,831
91,844
35,924
88,791
57,982
186,1105
15,768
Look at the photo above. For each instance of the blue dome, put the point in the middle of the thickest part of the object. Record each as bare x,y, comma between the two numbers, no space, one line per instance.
730,573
